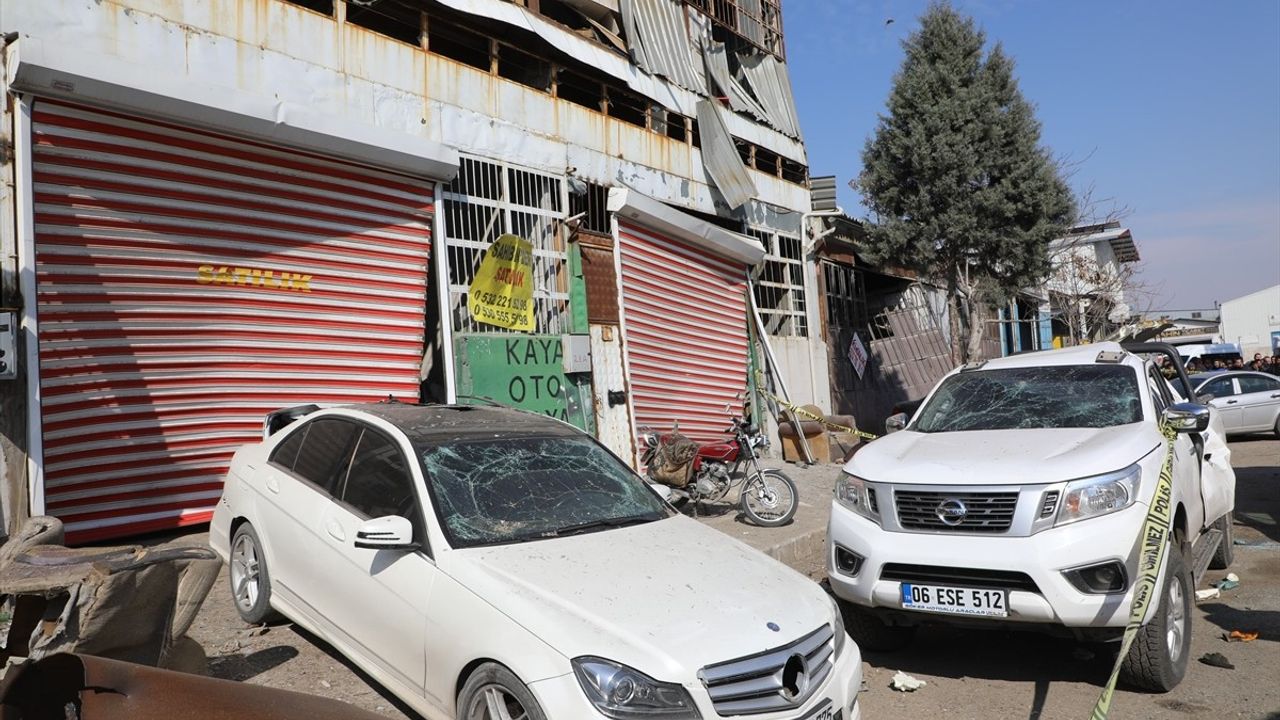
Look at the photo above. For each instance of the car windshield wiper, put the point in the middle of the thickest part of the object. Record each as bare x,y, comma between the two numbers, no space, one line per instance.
603,524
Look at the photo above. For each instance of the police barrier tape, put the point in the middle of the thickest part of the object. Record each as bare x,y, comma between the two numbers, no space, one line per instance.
1152,540
809,415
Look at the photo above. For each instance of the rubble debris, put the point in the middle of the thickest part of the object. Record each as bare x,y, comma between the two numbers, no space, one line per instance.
1230,582
128,602
82,687
1217,660
903,682
1240,636
1208,594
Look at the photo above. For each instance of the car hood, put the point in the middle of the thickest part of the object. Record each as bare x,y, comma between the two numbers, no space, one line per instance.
1003,457
665,597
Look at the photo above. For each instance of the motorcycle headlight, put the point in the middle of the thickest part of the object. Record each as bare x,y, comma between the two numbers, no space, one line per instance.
1099,495
620,692
856,494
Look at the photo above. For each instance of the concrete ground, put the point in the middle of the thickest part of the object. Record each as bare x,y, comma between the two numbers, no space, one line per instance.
971,674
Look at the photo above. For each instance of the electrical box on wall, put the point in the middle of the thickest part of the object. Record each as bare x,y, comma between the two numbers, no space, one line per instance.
8,345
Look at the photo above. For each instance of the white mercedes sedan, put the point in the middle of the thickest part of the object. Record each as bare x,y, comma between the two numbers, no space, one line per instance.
485,563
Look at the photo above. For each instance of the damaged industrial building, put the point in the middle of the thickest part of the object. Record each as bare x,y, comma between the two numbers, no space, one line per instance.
215,210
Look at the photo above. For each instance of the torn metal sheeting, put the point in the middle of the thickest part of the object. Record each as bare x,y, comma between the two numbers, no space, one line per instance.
658,39
767,78
129,603
716,58
720,157
82,687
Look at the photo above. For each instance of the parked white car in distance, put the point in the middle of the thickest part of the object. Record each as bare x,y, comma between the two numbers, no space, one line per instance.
484,563
1017,493
1248,401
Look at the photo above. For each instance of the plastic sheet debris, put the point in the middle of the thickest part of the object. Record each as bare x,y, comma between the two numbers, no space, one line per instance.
1208,594
1217,660
1240,636
903,682
1230,582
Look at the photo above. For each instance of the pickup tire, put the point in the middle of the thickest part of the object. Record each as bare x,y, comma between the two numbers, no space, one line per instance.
872,633
1225,554
1157,659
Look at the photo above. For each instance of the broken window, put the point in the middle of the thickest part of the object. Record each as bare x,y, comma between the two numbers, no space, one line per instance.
754,22
457,43
779,284
1062,396
524,68
794,172
579,89
767,162
666,122
321,6
591,201
522,489
489,198
628,107
401,22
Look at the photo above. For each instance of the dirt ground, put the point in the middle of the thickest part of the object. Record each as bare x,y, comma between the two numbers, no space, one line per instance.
970,674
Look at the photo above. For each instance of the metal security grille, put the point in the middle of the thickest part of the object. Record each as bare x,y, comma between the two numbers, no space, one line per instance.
685,313
779,284
488,199
985,512
187,284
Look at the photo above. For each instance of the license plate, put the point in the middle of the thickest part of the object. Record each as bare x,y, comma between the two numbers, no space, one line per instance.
825,712
955,600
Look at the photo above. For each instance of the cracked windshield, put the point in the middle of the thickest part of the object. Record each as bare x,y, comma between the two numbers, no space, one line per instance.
1073,396
528,488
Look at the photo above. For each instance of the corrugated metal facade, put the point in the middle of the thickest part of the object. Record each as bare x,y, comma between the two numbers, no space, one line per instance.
686,333
187,284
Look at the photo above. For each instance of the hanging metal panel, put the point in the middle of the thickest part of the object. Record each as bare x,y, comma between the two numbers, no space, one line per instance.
685,313
189,283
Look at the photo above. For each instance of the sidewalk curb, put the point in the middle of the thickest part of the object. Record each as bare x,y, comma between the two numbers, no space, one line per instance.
801,553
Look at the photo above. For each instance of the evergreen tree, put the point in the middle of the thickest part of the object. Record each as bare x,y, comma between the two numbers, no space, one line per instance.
959,186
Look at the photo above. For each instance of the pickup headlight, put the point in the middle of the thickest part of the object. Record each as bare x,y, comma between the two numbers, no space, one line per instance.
853,492
620,692
1099,495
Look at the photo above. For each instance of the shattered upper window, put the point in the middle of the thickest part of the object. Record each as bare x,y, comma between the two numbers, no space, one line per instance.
517,489
1072,396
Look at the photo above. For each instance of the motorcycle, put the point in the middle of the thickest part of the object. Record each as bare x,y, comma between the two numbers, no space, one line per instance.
708,472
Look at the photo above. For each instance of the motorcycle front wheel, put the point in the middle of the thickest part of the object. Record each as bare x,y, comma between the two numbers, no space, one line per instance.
769,498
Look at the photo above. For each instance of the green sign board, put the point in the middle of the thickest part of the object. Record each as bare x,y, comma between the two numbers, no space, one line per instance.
522,371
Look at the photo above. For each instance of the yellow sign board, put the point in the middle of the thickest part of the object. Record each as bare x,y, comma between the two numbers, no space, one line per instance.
501,293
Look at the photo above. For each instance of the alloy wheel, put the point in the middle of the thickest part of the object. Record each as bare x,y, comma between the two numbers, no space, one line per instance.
245,577
1175,620
495,702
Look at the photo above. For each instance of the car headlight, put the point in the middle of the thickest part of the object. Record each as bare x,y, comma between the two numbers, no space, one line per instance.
854,493
838,626
1099,495
620,692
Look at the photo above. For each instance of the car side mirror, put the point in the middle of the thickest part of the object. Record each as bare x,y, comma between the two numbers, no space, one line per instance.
896,422
1187,417
390,532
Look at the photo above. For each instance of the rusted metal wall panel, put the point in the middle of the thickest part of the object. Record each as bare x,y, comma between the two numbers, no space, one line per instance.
602,284
188,283
684,312
658,38
721,157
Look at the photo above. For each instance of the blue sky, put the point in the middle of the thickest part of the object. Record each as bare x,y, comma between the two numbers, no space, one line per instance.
1170,109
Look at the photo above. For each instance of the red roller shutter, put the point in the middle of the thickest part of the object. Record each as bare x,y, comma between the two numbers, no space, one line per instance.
188,283
685,313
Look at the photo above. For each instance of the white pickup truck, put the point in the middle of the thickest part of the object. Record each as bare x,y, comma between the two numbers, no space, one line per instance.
1017,494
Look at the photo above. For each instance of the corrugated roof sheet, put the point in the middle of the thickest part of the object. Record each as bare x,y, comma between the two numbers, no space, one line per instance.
658,39
720,156
717,60
768,79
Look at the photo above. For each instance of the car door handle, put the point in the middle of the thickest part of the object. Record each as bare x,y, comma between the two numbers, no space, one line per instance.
335,531
1232,402
272,484
1277,395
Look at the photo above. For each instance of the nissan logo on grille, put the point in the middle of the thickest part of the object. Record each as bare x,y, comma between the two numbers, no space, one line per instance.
951,512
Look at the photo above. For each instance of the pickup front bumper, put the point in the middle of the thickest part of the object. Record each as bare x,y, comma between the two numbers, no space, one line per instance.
1030,568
